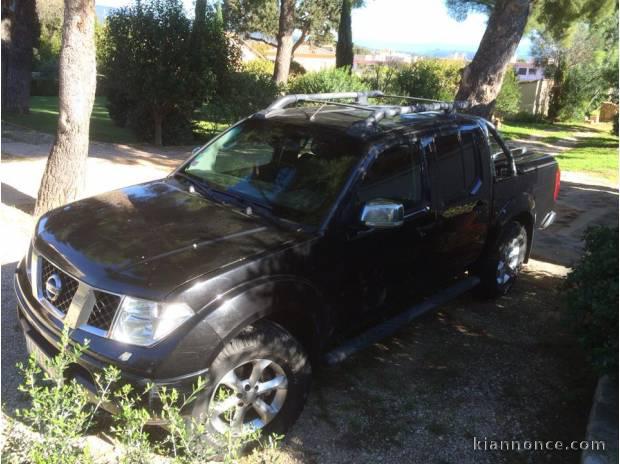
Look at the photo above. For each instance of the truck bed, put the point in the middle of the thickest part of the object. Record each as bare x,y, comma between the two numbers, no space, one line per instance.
535,183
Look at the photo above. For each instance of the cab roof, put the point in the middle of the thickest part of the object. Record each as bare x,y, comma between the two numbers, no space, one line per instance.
354,121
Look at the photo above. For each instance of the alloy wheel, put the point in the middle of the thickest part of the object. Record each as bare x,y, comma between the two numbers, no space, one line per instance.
512,258
248,397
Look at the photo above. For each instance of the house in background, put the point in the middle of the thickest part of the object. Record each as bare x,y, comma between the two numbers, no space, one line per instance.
383,57
528,71
312,58
535,96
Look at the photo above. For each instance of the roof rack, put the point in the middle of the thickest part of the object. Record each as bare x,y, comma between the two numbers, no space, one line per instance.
379,112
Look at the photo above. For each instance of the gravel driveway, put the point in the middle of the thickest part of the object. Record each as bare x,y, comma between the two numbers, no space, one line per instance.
504,369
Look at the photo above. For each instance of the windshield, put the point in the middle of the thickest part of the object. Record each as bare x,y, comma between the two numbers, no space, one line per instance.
296,172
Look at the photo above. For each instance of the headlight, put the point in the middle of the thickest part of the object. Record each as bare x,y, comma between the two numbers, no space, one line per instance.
143,322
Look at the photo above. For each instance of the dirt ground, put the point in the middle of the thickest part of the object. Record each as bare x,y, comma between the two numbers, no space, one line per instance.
501,370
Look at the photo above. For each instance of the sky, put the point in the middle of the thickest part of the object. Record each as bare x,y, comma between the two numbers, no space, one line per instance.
417,26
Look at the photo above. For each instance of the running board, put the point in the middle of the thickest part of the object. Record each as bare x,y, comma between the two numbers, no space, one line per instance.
389,327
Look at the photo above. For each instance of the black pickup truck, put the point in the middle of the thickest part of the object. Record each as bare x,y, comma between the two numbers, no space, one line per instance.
298,236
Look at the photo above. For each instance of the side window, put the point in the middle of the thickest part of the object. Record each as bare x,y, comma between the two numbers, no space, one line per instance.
396,175
494,147
459,164
498,155
449,161
471,160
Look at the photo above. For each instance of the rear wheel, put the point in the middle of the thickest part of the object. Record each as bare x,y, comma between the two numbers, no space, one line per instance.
503,264
259,381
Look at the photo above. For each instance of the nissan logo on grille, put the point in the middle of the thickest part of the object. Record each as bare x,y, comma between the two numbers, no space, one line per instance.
53,287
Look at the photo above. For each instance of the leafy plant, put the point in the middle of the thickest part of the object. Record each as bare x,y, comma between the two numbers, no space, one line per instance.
61,414
129,427
159,69
509,98
60,410
252,91
382,77
592,298
433,78
328,80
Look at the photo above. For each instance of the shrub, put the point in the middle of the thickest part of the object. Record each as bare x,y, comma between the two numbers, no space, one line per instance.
328,80
296,69
59,409
433,78
614,129
381,77
592,298
509,98
525,117
251,91
160,67
60,415
258,67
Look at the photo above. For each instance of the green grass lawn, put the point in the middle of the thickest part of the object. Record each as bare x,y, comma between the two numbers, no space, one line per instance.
43,117
596,155
542,131
595,151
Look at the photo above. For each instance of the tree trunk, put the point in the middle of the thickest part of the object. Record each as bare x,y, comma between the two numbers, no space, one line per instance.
158,120
482,78
63,178
557,95
284,53
20,33
344,47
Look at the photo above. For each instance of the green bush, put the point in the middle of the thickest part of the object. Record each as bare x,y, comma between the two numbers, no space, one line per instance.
160,67
44,87
509,98
258,66
328,80
296,69
433,78
60,415
250,91
592,298
525,117
381,77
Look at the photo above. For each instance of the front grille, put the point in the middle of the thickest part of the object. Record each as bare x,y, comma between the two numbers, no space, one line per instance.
103,312
67,290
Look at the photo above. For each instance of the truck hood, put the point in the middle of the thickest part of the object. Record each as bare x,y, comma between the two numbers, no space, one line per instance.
147,239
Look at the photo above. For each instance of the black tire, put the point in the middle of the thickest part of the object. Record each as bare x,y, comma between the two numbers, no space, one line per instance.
496,279
261,341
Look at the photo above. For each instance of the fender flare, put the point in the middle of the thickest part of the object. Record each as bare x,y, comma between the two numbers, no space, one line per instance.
521,208
289,301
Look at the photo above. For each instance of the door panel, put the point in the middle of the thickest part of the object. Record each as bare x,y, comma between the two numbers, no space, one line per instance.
462,198
384,264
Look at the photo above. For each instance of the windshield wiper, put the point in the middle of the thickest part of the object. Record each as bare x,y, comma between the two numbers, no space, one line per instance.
196,183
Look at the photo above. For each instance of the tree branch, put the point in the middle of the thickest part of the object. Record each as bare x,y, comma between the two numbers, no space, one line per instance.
260,39
301,40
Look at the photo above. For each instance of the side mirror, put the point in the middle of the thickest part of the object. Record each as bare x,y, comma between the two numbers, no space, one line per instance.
518,151
383,214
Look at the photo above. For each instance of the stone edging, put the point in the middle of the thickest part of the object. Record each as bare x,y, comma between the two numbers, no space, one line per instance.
603,423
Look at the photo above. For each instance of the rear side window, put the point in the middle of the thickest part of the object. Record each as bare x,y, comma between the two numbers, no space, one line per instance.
449,161
459,165
395,175
471,160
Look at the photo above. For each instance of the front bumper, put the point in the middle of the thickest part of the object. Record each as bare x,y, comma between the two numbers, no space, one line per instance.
43,332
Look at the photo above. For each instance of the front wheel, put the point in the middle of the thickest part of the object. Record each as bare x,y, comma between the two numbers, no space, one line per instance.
259,381
503,264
